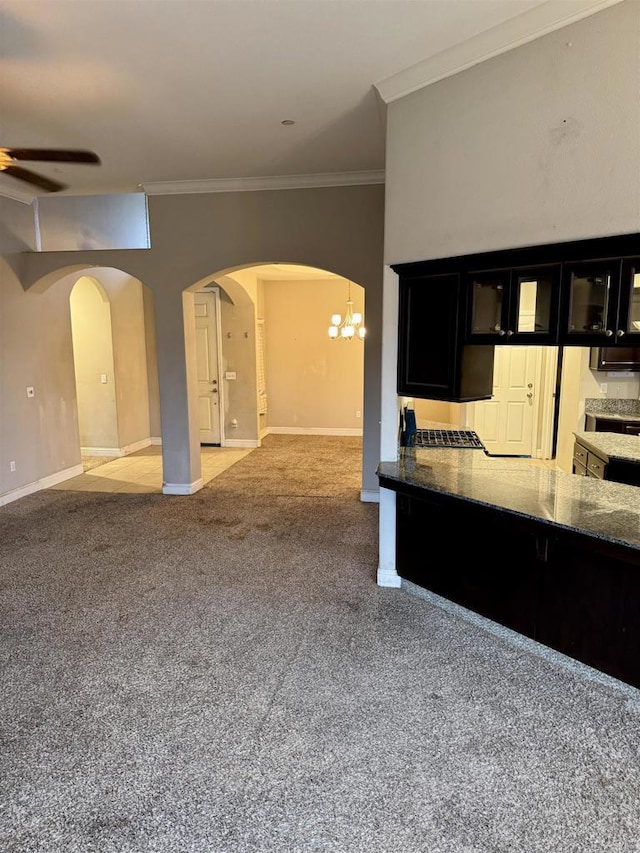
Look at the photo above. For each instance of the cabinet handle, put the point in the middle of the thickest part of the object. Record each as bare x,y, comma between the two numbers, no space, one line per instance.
608,333
620,333
509,333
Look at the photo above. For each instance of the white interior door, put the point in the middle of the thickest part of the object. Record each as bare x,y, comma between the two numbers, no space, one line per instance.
207,325
505,424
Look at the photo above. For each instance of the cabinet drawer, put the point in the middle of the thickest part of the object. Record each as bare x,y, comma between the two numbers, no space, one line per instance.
595,467
580,454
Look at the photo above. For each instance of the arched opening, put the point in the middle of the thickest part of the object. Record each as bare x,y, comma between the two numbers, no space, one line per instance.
92,340
279,372
114,363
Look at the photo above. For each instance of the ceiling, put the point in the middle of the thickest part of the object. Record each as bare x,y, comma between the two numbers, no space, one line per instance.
190,95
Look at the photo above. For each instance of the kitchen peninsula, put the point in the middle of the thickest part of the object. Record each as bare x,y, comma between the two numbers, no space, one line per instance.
551,555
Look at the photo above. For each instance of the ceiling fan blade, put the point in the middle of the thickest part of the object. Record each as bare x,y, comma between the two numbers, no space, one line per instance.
32,178
52,155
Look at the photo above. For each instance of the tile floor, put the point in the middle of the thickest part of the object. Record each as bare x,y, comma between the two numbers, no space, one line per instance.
142,471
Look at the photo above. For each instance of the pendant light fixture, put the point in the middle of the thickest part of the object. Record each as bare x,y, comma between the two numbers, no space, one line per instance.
349,328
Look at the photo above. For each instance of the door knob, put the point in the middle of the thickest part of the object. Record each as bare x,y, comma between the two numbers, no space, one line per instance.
529,395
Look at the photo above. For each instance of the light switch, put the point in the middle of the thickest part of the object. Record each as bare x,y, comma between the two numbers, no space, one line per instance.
31,391
230,374
103,378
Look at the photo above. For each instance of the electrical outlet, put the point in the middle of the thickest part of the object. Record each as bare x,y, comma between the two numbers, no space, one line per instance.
358,414
603,387
12,465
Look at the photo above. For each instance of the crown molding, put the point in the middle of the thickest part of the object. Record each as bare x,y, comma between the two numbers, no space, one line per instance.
16,195
277,182
528,26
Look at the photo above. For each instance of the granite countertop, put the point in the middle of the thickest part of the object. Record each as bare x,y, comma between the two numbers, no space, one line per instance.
613,409
600,508
611,445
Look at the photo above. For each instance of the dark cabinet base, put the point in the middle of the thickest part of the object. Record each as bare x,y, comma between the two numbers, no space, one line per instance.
569,592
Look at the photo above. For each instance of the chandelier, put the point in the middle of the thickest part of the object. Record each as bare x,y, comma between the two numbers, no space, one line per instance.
349,328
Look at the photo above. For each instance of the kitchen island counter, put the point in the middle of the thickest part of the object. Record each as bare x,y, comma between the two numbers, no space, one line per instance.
611,445
551,555
597,508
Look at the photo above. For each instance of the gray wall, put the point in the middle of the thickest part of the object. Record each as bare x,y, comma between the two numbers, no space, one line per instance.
40,434
198,237
541,144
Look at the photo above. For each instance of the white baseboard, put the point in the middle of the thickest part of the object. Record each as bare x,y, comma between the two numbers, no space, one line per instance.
389,577
241,442
370,496
155,440
264,432
118,451
44,483
182,488
313,431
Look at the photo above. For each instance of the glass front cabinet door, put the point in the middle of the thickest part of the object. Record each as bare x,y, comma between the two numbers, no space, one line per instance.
629,304
518,305
601,303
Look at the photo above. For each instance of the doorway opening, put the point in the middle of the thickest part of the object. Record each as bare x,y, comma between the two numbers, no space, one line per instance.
265,363
520,418
92,340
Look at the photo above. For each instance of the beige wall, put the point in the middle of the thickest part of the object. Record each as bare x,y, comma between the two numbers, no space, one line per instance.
312,382
151,351
437,411
238,323
129,352
93,358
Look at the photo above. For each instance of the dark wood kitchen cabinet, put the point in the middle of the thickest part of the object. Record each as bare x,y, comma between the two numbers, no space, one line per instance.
587,606
602,423
489,586
601,303
433,361
615,358
454,311
576,594
513,306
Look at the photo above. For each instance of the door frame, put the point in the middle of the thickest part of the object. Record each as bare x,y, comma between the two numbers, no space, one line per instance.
544,410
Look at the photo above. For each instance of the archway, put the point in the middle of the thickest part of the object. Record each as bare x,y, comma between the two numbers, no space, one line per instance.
280,372
92,341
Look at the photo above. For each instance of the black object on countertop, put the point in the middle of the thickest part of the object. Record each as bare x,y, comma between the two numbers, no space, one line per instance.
458,438
407,427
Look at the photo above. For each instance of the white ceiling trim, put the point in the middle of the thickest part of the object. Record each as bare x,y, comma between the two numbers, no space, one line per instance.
277,182
524,28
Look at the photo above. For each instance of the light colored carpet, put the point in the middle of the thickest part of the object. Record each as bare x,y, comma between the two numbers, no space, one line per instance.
91,462
220,674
